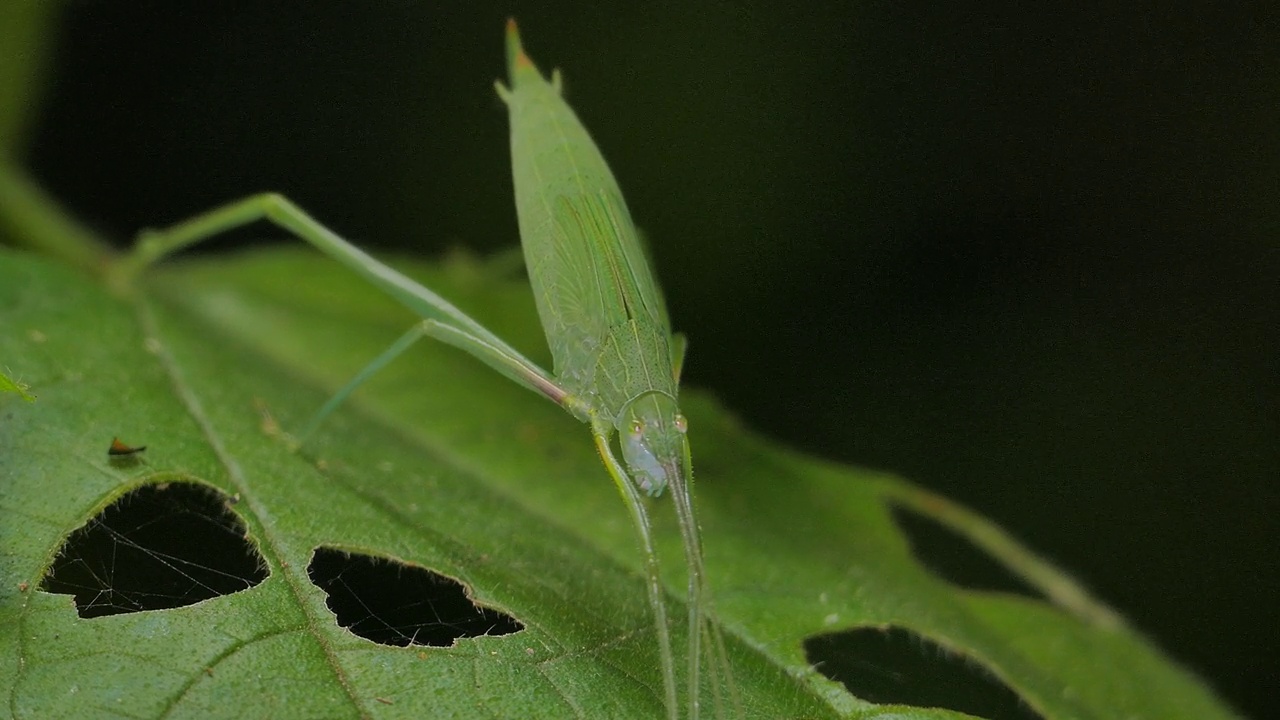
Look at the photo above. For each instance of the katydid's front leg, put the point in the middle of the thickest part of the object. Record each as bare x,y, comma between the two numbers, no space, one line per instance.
602,432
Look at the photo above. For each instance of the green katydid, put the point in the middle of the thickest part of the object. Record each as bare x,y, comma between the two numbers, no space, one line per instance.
616,362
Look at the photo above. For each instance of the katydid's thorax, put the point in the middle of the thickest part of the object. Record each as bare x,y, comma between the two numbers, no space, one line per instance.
633,359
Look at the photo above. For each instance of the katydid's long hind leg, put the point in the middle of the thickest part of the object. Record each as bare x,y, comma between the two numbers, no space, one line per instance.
512,365
282,212
653,580
416,333
153,245
526,375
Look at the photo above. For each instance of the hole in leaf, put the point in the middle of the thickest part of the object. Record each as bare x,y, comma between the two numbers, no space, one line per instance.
955,558
159,546
392,603
897,666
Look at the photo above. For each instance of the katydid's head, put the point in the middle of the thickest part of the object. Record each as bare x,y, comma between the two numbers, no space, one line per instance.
651,431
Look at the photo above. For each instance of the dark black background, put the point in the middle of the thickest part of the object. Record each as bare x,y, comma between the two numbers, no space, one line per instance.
1026,257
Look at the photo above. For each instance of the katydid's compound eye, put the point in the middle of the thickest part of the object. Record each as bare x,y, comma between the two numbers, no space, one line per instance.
637,427
681,424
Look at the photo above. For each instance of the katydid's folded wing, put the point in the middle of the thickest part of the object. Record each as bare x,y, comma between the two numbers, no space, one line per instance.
588,270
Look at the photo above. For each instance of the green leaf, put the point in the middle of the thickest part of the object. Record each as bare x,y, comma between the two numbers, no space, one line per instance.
442,464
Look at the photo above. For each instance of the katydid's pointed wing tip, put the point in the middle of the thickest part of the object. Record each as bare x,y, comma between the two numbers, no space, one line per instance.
516,57
521,71
514,48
